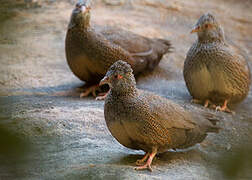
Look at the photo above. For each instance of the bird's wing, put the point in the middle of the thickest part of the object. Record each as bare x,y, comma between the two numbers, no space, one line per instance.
168,113
235,49
105,52
133,43
157,121
141,60
231,68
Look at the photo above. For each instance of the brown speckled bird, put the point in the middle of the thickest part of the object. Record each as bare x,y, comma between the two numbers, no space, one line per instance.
214,71
90,53
141,120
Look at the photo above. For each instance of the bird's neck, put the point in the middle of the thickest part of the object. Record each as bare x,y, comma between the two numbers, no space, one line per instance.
206,39
80,33
83,26
124,91
211,37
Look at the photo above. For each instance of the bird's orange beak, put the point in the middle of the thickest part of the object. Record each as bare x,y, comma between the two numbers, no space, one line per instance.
196,29
105,80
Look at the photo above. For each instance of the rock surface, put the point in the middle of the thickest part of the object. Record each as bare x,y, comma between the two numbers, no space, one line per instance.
70,139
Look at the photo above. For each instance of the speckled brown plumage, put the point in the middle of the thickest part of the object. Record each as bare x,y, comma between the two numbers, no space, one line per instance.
214,70
144,121
90,53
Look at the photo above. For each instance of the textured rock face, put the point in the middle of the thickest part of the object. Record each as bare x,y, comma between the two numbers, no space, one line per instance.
68,134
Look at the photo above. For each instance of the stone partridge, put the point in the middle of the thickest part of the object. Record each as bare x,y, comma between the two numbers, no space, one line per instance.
141,120
214,71
90,53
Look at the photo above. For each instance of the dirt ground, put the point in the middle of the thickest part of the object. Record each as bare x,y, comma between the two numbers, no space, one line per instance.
69,133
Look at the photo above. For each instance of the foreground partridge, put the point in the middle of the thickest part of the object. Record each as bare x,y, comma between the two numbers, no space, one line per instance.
144,121
90,52
214,71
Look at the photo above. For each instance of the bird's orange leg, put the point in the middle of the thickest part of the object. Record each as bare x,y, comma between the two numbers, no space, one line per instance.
102,96
91,89
147,165
140,162
197,101
206,103
224,107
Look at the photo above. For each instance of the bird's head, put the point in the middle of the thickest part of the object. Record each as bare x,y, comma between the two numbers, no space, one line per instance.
120,77
208,29
80,14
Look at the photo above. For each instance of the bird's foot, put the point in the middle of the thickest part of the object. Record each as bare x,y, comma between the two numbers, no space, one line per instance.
206,104
143,167
147,165
224,108
140,162
90,90
102,96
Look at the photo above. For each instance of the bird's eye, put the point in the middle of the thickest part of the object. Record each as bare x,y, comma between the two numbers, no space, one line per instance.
118,76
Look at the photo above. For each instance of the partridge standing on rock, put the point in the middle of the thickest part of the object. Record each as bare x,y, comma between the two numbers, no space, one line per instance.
90,53
144,121
213,70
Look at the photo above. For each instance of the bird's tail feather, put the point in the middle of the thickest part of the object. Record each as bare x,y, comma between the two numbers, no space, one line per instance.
168,47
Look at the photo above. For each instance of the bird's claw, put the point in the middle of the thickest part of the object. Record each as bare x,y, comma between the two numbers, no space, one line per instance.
91,89
224,109
86,93
99,98
146,166
102,96
140,162
149,157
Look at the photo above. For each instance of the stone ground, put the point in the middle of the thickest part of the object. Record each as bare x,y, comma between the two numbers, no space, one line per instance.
69,137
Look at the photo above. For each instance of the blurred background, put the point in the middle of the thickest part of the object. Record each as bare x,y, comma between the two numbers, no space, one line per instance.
48,132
